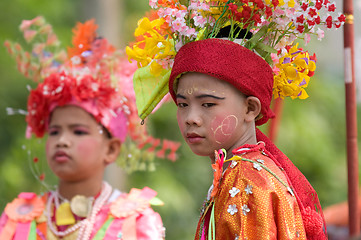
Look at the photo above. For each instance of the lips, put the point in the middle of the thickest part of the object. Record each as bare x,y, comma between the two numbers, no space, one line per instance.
194,138
61,156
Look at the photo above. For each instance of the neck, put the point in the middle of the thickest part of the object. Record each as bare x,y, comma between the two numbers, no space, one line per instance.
87,188
249,137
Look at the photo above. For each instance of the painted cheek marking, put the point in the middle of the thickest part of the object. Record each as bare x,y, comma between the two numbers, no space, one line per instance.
223,128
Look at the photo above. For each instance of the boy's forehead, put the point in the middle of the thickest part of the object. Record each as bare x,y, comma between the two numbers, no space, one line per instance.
191,83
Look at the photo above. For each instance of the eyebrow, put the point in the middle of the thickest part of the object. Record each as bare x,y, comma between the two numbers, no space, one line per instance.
201,96
71,125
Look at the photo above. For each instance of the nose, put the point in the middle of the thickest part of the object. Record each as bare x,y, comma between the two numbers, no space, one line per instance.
193,117
63,140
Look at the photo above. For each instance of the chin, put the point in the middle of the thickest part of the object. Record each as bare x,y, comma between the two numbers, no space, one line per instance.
202,152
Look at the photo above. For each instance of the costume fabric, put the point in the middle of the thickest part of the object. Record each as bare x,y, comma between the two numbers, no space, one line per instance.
135,219
254,201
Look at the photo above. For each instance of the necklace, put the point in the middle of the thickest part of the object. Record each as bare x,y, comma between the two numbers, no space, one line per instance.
85,225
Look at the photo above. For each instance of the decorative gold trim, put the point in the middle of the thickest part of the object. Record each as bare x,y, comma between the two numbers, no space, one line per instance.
349,18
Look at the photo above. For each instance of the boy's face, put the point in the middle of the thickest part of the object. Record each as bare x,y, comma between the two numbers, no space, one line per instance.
211,114
76,147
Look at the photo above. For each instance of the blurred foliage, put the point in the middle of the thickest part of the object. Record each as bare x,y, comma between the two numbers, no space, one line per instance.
312,132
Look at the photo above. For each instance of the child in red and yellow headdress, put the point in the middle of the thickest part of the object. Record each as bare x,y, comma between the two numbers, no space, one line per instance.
85,103
222,61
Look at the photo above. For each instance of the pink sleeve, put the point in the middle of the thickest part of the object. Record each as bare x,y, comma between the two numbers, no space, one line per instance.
150,226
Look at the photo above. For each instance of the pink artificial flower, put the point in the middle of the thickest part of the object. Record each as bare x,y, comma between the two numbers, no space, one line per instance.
320,34
29,35
307,38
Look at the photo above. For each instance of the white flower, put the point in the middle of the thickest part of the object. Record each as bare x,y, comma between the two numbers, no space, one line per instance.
232,209
248,189
245,210
234,191
257,166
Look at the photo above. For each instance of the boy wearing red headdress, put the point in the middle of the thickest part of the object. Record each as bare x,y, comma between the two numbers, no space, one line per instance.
257,193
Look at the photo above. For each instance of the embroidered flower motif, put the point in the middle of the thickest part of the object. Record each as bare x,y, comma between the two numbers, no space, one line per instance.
248,189
257,166
233,164
25,208
232,209
245,210
234,191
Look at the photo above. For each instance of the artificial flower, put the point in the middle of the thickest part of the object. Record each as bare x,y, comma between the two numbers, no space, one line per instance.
130,204
25,208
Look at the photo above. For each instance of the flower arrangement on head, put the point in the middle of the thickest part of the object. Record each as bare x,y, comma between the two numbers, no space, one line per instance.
268,27
93,75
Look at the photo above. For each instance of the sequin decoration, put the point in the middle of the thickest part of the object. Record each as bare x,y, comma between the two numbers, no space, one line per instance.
260,161
257,166
233,192
232,209
248,189
245,209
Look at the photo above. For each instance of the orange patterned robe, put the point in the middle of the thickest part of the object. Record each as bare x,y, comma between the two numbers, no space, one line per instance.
253,202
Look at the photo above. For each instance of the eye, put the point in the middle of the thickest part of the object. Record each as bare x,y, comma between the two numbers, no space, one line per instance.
80,132
208,105
53,132
182,105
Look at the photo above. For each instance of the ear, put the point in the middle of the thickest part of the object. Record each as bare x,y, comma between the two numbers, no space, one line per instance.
113,150
253,108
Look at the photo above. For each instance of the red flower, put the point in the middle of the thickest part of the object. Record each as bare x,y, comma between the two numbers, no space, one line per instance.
275,3
329,22
259,3
42,177
268,11
342,18
311,23
300,28
246,13
300,19
331,8
317,20
318,5
232,7
304,6
312,12
257,18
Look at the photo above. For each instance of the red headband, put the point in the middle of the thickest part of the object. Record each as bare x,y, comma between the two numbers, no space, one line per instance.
230,62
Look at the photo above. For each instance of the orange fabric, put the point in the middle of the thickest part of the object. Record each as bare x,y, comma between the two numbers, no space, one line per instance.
273,211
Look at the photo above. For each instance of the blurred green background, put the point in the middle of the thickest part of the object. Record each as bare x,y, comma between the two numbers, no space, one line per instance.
311,134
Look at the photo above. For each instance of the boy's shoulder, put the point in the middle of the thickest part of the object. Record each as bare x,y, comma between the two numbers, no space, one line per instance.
258,168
